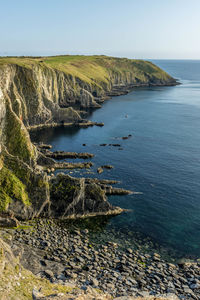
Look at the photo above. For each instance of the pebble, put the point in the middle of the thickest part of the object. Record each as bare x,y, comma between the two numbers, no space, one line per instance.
70,258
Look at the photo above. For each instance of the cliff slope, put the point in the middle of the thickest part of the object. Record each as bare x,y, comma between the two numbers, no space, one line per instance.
52,89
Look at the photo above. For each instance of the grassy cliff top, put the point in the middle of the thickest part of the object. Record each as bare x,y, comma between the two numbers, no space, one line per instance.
91,68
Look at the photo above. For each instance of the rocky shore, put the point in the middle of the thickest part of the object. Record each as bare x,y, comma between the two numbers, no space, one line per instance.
68,257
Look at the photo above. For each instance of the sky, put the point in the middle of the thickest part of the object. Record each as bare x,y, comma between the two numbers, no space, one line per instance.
146,29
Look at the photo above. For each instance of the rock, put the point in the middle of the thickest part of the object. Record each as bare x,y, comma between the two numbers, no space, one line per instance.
117,191
44,146
99,124
37,294
49,274
103,145
109,167
94,282
100,170
67,165
129,250
73,197
115,145
195,286
63,154
7,220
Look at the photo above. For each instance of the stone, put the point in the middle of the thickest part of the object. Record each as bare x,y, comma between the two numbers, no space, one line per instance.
7,220
94,282
129,250
100,170
49,274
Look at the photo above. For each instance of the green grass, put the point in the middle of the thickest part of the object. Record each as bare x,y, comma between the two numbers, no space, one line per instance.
11,188
92,69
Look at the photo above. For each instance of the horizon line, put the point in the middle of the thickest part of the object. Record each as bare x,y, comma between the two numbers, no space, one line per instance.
55,55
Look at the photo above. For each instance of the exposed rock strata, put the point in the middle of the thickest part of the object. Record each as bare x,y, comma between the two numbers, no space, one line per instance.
64,154
73,197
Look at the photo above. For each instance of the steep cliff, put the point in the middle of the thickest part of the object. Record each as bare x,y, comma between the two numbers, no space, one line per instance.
46,90
35,91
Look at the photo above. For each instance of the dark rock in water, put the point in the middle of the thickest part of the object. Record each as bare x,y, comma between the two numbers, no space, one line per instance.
73,197
44,146
63,154
83,144
99,124
115,145
116,191
67,165
105,184
107,167
103,145
100,181
100,170
125,138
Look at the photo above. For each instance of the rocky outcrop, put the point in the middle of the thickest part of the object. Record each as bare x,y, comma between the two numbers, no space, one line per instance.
73,197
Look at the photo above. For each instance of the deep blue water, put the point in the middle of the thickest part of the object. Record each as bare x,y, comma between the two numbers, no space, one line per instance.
161,159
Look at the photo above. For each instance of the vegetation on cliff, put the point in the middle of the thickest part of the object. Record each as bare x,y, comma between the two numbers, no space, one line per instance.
96,70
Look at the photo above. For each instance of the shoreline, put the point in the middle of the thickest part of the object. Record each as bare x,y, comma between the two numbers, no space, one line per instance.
69,256
118,90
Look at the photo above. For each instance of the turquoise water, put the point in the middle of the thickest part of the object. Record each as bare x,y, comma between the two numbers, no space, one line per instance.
161,159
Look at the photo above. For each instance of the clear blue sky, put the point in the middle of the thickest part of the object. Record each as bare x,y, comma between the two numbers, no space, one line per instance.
132,28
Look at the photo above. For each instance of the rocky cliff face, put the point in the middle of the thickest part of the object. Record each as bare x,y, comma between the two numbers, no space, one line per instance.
38,94
44,94
54,90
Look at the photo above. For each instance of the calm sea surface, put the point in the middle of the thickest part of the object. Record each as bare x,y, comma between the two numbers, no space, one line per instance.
161,160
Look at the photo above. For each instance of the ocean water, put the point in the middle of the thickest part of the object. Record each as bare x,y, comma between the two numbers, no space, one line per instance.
161,160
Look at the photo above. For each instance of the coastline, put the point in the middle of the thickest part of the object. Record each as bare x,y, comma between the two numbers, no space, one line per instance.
117,90
67,256
131,272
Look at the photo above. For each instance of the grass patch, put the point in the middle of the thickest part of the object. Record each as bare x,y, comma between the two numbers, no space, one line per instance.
93,70
11,188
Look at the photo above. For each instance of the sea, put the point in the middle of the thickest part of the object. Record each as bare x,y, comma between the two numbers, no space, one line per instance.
160,160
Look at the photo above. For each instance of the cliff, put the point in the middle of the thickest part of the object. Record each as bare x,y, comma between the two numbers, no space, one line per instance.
49,90
52,89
